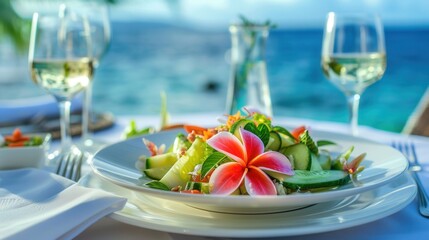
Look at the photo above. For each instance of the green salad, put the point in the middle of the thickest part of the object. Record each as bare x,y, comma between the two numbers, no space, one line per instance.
248,155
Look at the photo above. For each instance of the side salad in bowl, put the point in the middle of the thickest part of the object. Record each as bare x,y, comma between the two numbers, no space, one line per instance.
248,155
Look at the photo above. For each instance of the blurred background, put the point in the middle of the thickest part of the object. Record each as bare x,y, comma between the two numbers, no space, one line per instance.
182,47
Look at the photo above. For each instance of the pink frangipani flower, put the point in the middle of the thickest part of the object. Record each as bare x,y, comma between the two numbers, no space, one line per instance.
251,164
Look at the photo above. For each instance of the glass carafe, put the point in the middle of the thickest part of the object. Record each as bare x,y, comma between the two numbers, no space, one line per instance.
248,86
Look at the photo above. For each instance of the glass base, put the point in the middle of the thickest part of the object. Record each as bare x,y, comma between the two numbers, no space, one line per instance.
90,146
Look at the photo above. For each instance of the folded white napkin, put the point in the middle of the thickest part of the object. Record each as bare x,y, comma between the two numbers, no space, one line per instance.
36,204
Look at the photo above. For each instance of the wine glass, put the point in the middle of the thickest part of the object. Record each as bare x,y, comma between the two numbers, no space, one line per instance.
60,62
98,16
353,56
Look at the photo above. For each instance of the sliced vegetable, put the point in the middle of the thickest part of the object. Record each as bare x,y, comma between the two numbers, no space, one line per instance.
299,154
315,165
237,125
306,180
307,140
275,142
283,130
286,140
324,159
202,187
181,143
156,173
178,174
165,160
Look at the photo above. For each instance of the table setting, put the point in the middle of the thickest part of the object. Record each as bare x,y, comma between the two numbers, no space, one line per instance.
372,229
239,174
374,213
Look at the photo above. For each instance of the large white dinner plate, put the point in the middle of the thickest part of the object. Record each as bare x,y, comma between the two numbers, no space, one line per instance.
116,163
174,217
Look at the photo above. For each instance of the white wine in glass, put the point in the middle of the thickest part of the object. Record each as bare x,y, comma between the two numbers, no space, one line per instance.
353,56
62,78
60,62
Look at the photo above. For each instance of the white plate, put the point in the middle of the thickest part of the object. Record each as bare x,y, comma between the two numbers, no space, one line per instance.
116,163
174,217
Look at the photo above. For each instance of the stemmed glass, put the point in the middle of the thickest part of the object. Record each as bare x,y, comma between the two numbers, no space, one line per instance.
98,17
353,56
60,62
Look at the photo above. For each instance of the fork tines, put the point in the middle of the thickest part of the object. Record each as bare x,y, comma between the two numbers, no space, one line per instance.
69,165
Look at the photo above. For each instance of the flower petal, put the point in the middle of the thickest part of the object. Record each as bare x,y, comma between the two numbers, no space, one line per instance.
351,167
227,178
228,144
252,143
274,162
258,183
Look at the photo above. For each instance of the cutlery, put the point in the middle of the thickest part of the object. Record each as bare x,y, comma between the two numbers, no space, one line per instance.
70,165
409,151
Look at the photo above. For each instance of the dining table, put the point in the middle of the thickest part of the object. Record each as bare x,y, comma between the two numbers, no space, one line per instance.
395,223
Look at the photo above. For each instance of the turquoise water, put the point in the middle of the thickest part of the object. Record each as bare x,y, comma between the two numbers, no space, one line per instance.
191,66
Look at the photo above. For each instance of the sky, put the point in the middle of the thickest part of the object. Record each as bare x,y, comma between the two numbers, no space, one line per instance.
286,13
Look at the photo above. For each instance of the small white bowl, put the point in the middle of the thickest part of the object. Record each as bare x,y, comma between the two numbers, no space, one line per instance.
25,157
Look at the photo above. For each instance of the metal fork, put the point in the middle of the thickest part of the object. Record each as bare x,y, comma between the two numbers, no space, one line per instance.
70,165
409,151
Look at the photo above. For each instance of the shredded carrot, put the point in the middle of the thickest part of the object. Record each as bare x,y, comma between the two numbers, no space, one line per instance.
233,118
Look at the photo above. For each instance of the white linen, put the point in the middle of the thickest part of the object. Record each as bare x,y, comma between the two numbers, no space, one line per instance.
405,224
36,204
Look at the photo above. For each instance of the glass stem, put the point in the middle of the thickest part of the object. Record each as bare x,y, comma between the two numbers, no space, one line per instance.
353,103
86,112
65,125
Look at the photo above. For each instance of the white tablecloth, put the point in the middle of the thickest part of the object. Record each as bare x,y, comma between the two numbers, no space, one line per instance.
405,224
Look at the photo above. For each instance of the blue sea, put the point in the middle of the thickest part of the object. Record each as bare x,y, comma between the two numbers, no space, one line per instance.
192,66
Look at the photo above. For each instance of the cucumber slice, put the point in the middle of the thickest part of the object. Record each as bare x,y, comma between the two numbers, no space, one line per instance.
324,159
286,140
299,154
200,186
237,125
305,180
315,165
156,173
165,160
180,142
275,142
178,174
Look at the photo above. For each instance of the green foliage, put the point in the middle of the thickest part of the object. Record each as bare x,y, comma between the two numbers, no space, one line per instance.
157,185
248,23
262,131
212,162
12,26
133,131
